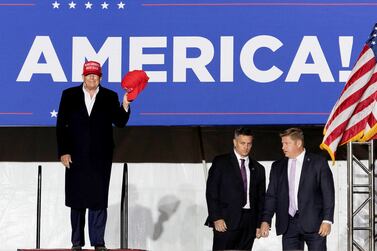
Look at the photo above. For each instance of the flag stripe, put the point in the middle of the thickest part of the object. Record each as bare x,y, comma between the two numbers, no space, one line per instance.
356,108
354,115
365,56
356,89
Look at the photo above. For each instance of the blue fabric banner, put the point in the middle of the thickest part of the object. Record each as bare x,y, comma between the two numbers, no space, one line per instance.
209,62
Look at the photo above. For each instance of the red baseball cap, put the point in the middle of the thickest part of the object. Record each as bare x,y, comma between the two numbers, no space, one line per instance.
92,67
134,82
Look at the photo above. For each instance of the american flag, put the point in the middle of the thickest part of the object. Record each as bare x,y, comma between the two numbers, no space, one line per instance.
354,116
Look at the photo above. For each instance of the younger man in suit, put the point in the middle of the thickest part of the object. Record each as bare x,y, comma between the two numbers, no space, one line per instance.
301,193
235,194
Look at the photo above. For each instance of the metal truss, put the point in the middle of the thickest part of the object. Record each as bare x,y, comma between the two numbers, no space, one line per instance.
361,213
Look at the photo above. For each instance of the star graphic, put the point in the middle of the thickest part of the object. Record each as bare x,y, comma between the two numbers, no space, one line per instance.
54,114
55,5
72,5
121,5
88,5
105,5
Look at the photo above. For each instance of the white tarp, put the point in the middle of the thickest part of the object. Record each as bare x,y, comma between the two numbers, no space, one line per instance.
167,208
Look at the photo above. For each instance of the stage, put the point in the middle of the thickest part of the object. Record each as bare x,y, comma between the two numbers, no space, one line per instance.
57,249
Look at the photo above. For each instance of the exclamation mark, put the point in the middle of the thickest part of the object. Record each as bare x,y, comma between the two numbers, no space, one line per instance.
345,46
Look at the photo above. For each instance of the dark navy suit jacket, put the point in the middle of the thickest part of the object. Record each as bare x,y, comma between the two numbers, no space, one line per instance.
315,194
224,191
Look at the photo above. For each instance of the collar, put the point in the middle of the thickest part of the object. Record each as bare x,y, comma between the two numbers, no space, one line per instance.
85,91
240,157
300,157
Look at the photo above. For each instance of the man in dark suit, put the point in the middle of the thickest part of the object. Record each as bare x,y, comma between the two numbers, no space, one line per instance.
301,193
85,147
235,195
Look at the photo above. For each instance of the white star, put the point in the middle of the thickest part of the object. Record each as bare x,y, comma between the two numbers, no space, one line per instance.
55,5
105,5
374,35
121,5
88,5
54,114
373,42
72,5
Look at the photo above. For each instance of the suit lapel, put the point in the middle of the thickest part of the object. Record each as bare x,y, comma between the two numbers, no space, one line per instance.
252,175
284,177
305,166
236,167
81,102
97,101
237,171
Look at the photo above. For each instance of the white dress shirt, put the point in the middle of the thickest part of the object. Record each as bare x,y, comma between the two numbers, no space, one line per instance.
89,101
299,162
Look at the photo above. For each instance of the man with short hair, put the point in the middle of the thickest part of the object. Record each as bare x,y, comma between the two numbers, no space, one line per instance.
301,193
85,147
235,195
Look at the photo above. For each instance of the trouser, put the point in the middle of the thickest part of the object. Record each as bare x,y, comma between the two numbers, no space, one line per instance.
96,221
295,237
241,238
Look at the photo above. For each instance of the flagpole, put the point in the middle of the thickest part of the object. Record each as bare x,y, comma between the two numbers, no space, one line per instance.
373,199
350,197
367,189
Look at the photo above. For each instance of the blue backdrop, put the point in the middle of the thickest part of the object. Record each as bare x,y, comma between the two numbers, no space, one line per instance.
210,62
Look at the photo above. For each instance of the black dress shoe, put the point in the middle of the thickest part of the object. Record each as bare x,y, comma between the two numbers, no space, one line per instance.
76,248
100,248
